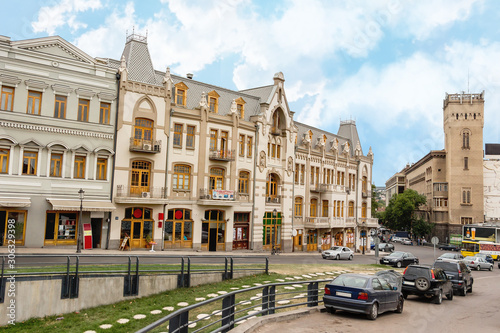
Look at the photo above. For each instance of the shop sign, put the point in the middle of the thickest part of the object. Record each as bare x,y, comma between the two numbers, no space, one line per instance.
223,194
87,236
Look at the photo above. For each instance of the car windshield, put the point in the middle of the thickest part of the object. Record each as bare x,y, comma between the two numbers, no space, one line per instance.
447,266
396,254
350,281
448,255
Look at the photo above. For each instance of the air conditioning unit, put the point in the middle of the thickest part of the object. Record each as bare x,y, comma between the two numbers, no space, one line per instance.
208,196
146,194
146,146
276,200
268,199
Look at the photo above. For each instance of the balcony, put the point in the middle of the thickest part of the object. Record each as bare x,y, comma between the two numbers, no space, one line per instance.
145,146
276,199
366,194
216,197
317,222
140,194
278,132
368,222
221,155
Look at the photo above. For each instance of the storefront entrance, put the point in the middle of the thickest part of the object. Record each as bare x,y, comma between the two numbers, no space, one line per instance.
138,226
96,224
339,239
312,240
349,238
213,231
178,229
326,241
240,231
18,219
60,228
297,240
272,230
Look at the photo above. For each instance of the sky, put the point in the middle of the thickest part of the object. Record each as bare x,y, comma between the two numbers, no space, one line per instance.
385,64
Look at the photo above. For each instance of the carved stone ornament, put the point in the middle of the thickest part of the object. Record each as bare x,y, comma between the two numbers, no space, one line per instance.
307,139
233,108
346,148
262,161
320,143
289,168
357,151
370,153
168,80
203,100
123,69
335,146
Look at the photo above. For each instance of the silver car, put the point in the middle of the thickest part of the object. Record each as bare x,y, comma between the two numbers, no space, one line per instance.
338,252
450,257
477,263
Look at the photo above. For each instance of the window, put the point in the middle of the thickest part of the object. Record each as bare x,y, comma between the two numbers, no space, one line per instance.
141,172
7,99
104,113
83,109
143,131
34,102
325,208
4,160
313,208
216,179
272,186
224,142
178,229
213,105
242,145
364,185
278,151
276,122
30,159
363,210
312,175
298,206
351,209
241,110
177,135
61,227
302,173
317,176
466,196
56,164
102,168
297,171
466,220
243,182
181,177
213,139
180,97
60,107
440,187
79,171
466,163
249,146
190,137
465,140
440,202
273,150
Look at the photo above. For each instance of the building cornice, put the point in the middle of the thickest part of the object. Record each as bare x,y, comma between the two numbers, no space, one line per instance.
57,130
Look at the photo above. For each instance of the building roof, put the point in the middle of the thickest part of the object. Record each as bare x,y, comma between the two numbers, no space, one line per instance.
318,134
264,93
139,64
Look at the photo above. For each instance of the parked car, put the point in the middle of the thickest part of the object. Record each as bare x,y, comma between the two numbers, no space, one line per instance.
406,241
460,274
399,259
449,247
368,294
450,256
396,239
386,247
486,257
338,252
428,282
477,263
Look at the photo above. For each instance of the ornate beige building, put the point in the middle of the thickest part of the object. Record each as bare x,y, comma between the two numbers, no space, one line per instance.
452,178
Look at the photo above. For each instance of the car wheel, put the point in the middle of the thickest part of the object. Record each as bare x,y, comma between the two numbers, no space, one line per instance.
470,288
416,261
398,265
401,302
373,312
478,268
422,284
405,295
491,268
337,257
439,297
450,295
464,290
350,257
331,310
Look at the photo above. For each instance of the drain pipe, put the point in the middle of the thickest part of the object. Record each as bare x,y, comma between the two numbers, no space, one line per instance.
118,77
254,181
166,179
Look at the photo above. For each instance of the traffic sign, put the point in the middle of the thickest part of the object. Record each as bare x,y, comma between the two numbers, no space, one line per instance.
435,240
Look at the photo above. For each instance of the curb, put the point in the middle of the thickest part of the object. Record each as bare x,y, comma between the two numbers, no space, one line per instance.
253,324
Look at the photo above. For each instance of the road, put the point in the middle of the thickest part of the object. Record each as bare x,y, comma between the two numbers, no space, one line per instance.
478,310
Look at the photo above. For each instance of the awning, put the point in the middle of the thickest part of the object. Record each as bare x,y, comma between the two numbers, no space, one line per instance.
15,202
88,206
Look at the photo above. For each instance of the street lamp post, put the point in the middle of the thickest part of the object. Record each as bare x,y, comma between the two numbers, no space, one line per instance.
81,194
275,213
364,235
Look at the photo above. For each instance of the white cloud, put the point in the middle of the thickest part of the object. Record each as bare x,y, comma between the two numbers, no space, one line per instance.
52,17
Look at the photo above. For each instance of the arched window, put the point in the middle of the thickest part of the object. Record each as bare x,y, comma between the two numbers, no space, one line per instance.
243,182
141,174
465,139
181,177
272,186
276,122
298,206
216,179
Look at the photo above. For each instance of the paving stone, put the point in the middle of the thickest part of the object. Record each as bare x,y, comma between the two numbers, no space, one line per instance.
139,316
123,321
199,299
168,308
106,326
182,304
156,312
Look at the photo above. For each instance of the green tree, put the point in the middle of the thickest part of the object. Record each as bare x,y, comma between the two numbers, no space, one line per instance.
422,228
400,213
375,202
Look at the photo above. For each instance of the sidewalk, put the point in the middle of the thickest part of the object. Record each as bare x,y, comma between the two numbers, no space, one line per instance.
71,250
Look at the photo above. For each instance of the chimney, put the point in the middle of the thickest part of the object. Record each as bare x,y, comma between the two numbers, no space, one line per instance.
189,76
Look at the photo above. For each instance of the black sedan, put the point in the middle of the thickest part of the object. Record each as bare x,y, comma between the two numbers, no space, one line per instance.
366,294
399,259
449,247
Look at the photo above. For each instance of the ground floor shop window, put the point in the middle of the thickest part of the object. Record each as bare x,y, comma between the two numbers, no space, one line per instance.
312,240
272,230
12,220
349,238
138,226
178,229
339,239
240,231
213,231
326,241
61,228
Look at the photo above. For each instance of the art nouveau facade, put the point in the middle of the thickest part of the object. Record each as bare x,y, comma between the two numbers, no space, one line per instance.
56,137
168,159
